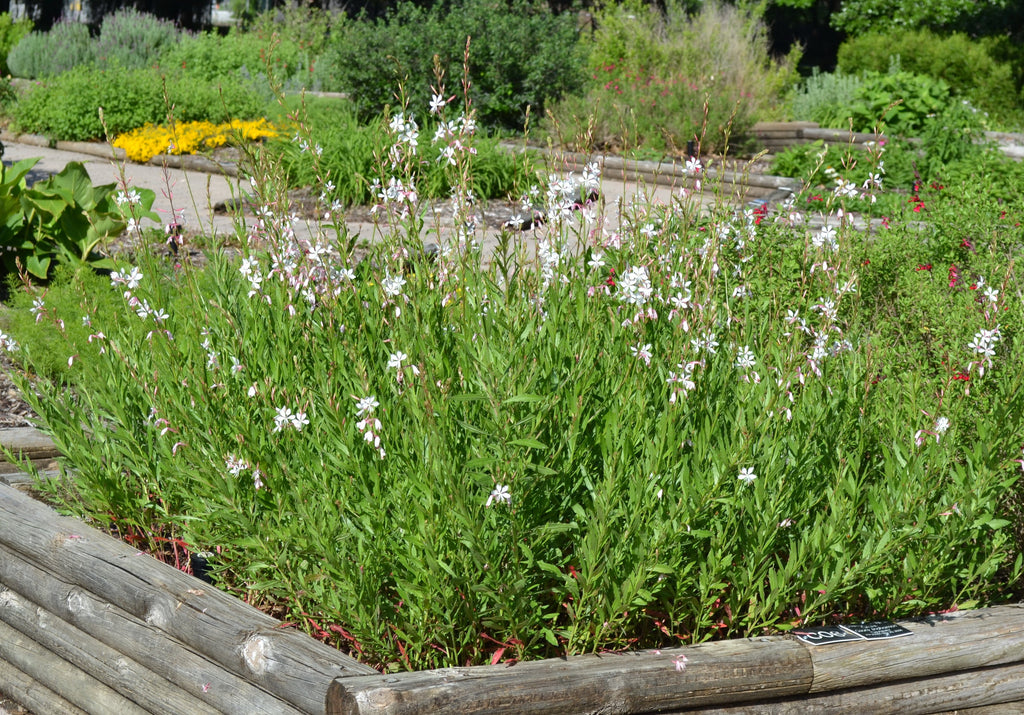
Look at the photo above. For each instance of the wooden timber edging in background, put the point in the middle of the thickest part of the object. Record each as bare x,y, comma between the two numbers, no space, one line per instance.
779,136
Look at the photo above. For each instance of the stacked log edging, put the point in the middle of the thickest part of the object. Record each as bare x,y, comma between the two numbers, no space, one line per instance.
967,659
779,136
89,624
741,186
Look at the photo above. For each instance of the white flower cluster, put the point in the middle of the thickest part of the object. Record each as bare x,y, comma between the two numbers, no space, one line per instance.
236,465
9,344
369,425
635,286
286,418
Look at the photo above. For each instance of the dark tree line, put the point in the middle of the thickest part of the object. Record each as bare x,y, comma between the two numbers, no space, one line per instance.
189,14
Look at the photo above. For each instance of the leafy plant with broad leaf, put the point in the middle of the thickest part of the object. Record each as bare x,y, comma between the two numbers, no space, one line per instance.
59,219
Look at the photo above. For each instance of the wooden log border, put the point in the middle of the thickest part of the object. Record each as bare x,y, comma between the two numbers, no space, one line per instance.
89,624
967,659
778,136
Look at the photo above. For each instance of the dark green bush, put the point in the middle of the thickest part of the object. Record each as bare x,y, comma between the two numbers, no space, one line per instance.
45,54
966,65
131,39
11,33
520,55
65,107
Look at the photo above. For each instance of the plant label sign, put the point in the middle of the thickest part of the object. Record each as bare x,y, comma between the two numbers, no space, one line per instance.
823,635
873,631
878,630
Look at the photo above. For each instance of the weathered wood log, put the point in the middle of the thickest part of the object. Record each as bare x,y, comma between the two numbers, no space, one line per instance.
146,643
652,681
764,127
985,687
27,443
31,694
944,643
24,480
108,665
242,639
943,652
840,136
1016,708
60,676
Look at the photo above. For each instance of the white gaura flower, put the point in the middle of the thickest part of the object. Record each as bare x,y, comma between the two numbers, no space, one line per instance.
366,405
299,420
747,475
283,418
745,358
392,285
499,494
642,352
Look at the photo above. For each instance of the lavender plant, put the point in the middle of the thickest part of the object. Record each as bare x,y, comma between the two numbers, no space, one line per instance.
630,428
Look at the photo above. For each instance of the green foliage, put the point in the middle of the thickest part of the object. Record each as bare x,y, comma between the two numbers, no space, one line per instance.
211,56
951,152
825,98
62,218
857,17
11,33
351,155
966,65
66,107
521,55
661,80
45,54
896,102
306,25
133,40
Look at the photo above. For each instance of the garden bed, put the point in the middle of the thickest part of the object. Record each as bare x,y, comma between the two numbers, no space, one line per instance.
90,624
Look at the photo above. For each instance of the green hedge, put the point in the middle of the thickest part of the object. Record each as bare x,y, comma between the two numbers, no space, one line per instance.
961,62
66,107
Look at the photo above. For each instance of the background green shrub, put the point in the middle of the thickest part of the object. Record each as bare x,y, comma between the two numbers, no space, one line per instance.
966,65
825,97
919,98
131,39
897,102
45,54
11,33
652,72
65,107
210,56
520,55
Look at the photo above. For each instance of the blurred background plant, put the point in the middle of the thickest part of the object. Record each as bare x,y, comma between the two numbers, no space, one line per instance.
662,78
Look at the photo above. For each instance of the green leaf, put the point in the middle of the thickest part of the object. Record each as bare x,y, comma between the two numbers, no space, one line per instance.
528,442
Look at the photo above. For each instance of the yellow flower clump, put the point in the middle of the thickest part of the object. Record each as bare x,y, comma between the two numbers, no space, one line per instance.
190,137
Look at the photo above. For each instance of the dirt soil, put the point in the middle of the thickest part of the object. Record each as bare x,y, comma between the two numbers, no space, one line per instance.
14,411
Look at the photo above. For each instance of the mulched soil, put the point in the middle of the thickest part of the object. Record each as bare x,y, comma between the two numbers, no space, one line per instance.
14,411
